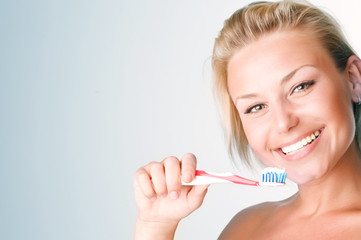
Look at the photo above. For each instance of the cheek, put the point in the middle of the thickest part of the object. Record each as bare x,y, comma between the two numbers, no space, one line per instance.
343,126
256,134
339,113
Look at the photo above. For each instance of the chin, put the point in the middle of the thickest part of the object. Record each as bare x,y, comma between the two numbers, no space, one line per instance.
305,176
301,180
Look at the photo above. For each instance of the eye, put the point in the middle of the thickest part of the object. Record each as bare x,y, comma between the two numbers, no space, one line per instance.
255,108
303,86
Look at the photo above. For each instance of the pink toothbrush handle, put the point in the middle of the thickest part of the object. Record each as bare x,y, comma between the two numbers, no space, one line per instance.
231,178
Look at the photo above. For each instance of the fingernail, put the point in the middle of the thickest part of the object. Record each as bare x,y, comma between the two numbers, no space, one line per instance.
153,199
173,195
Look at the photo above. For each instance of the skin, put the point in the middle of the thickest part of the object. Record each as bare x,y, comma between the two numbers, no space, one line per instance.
285,87
161,199
327,171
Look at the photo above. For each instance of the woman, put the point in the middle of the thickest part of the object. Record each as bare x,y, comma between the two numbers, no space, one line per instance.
290,85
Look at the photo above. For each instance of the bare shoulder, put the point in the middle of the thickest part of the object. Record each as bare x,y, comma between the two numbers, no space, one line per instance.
245,222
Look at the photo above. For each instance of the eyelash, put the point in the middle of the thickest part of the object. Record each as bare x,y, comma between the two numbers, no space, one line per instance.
249,110
305,86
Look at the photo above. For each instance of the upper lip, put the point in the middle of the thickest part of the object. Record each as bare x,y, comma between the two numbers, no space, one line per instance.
299,138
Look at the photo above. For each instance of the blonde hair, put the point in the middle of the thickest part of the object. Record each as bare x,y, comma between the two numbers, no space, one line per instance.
248,24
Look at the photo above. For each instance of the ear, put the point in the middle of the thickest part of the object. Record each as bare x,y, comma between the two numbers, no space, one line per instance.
353,71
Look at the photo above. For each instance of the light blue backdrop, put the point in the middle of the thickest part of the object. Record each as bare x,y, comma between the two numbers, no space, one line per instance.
92,90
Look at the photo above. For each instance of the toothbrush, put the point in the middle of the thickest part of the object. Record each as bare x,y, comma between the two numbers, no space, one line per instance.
270,177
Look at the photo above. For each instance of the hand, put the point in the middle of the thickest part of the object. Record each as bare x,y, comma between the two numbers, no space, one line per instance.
159,195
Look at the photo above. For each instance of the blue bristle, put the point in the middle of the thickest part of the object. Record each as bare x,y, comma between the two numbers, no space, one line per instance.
274,177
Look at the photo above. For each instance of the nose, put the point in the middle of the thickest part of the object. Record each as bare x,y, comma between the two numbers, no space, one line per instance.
284,117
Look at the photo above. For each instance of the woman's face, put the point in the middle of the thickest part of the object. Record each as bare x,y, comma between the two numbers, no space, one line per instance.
295,106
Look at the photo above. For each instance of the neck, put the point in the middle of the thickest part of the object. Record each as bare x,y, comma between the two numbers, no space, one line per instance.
339,189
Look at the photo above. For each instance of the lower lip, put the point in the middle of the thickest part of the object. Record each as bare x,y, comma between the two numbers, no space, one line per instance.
302,152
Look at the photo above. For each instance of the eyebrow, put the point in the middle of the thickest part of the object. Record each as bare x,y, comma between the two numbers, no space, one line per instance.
283,81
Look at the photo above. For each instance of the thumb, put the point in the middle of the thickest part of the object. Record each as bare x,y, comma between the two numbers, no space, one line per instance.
196,195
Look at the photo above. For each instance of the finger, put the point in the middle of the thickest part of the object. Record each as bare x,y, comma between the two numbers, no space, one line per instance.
143,181
196,195
158,178
189,165
172,175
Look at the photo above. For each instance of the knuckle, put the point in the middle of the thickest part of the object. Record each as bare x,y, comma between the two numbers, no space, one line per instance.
155,166
151,164
141,177
138,173
171,160
148,194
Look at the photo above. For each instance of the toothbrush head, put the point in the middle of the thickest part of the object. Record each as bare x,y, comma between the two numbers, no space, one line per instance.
273,177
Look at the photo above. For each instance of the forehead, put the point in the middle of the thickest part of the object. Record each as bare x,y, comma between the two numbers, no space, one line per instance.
275,55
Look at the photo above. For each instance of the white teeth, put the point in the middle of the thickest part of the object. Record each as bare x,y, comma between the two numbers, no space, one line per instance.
300,144
313,137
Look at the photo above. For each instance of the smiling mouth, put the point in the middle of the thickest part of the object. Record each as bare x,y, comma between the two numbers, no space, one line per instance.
288,150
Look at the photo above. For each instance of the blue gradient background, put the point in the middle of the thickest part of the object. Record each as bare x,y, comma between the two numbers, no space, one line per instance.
90,91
